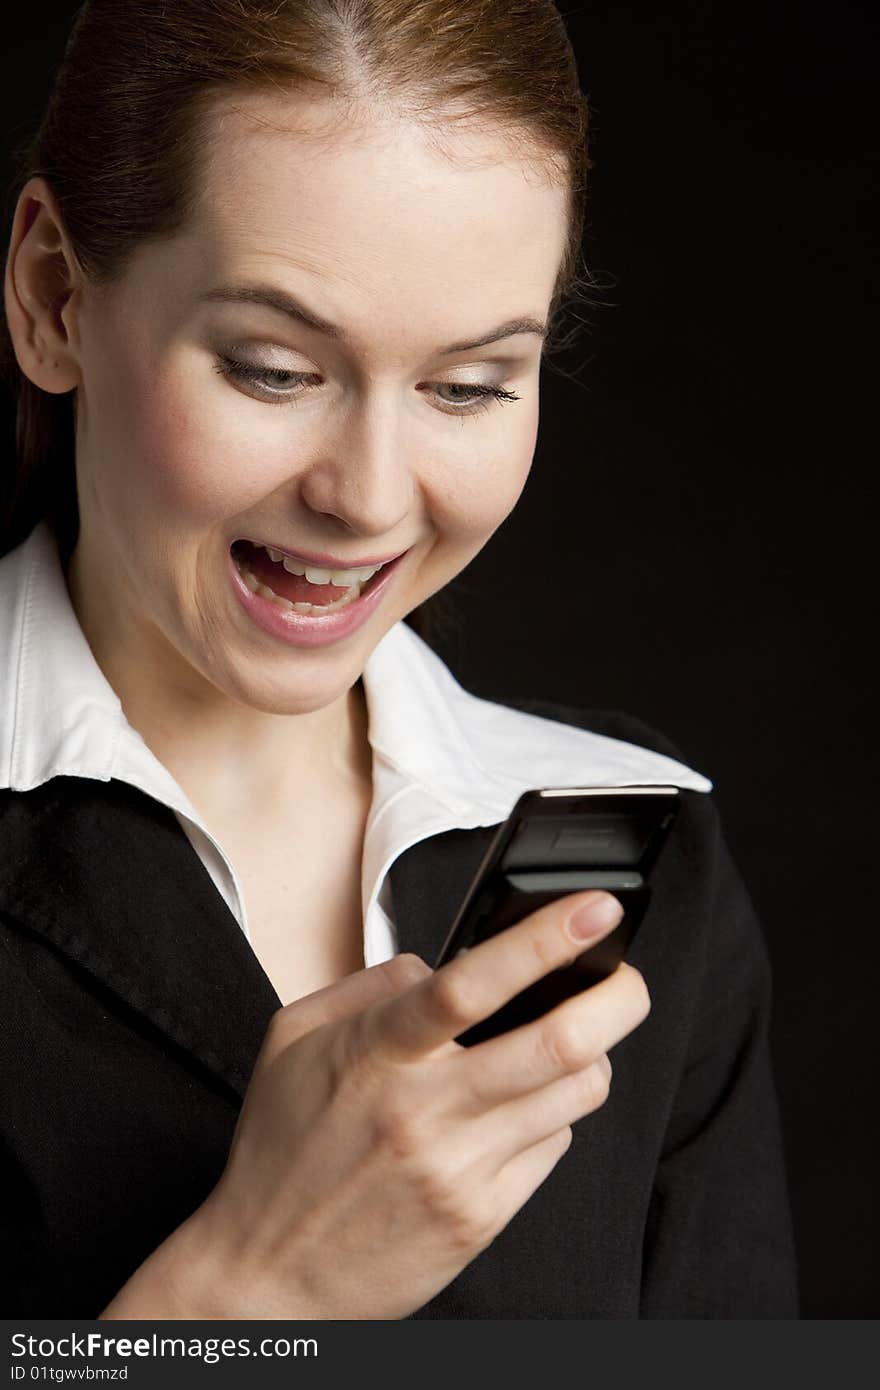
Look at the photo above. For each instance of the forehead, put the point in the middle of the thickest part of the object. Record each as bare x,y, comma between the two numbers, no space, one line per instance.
375,212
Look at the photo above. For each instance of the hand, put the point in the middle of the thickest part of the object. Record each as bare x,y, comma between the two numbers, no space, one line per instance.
374,1156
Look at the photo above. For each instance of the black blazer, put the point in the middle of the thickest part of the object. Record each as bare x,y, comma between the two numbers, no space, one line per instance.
132,1009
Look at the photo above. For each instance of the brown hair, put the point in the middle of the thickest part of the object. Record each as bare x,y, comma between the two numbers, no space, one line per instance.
120,140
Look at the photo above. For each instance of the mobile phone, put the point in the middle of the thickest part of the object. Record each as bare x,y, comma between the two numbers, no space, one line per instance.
559,840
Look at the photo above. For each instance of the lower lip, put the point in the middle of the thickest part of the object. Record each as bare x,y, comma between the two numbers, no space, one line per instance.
301,629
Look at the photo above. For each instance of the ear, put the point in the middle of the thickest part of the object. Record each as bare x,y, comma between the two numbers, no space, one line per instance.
41,291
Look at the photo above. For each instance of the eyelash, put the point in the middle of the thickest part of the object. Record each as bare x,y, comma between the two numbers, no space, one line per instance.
484,396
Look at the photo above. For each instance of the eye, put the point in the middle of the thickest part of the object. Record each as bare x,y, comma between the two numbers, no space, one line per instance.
282,379
282,386
476,397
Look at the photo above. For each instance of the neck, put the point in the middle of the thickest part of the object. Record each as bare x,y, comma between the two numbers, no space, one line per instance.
253,766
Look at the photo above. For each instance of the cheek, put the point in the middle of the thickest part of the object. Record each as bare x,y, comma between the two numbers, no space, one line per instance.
194,470
179,451
474,494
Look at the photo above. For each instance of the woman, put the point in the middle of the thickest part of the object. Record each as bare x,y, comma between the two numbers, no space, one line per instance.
269,253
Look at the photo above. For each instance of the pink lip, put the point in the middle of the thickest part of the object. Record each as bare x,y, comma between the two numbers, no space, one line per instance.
331,562
301,629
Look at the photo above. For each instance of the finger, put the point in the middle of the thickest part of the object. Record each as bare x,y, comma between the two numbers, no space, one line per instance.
475,984
566,1039
343,999
522,1174
522,1123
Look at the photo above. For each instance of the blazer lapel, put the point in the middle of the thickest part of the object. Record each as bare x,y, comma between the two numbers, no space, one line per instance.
107,875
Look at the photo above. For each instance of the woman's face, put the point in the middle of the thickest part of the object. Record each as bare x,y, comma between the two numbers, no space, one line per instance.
205,417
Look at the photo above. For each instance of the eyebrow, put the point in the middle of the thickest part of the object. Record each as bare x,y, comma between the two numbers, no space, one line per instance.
270,298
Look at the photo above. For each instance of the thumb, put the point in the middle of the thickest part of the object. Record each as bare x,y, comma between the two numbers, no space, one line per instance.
341,1000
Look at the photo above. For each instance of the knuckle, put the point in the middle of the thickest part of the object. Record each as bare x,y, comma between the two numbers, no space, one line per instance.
563,1139
363,1061
453,996
595,1087
405,969
545,949
640,990
567,1043
468,1225
474,1231
277,1021
282,1027
282,1019
401,1129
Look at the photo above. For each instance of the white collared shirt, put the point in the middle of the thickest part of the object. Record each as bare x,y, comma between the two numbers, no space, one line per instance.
443,758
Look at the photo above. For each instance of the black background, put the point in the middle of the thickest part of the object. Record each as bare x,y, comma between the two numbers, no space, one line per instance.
695,542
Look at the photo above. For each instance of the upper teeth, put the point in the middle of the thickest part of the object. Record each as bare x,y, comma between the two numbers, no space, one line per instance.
315,576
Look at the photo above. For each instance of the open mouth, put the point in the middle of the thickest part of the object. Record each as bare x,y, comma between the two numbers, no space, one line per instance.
295,586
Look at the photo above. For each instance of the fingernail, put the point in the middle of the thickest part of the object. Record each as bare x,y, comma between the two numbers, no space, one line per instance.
595,915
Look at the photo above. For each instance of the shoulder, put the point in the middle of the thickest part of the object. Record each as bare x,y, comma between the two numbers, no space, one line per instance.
622,736
609,723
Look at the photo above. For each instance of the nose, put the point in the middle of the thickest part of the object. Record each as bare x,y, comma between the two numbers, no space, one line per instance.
361,476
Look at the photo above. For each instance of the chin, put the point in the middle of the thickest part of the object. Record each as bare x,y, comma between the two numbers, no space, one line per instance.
295,695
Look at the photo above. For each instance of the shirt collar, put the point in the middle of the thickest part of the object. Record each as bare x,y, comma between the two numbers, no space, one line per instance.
60,716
